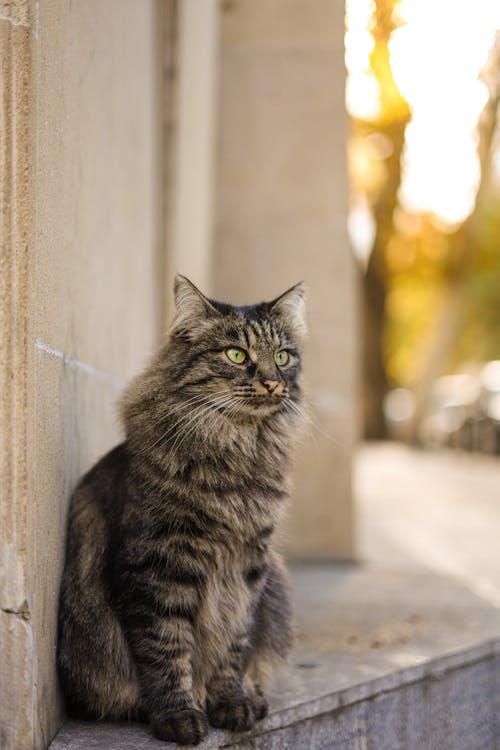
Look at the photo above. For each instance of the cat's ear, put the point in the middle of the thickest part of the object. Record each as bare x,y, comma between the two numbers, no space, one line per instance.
291,307
192,307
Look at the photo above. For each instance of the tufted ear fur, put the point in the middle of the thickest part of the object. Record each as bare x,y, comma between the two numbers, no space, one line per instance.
291,307
193,308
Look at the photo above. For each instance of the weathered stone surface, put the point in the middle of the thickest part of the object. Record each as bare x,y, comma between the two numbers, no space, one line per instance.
16,12
16,378
79,294
16,679
96,198
96,292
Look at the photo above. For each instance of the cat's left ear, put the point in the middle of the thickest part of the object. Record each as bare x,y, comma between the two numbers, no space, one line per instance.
193,308
291,307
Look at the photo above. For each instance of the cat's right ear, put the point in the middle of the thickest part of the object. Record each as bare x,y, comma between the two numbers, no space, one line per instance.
290,306
192,307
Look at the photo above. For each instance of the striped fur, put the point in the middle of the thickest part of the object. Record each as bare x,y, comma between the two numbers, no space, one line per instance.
174,605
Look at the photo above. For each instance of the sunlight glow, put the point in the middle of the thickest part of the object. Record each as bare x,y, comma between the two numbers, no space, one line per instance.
362,93
361,228
436,57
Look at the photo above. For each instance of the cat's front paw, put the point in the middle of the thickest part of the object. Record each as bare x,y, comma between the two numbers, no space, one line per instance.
260,704
187,727
235,713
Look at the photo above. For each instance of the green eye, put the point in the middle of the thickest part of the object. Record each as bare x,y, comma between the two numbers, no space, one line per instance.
281,358
238,356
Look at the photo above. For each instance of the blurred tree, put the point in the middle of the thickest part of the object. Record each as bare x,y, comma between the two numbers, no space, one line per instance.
468,247
388,127
430,295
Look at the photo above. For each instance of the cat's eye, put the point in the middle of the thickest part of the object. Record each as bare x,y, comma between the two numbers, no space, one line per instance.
281,358
238,356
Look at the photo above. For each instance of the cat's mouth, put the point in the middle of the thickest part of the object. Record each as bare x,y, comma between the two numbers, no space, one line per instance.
261,403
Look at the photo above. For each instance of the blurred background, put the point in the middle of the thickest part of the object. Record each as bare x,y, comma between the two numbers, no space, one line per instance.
423,89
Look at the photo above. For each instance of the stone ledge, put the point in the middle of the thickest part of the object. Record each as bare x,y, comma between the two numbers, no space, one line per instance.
399,652
368,637
346,715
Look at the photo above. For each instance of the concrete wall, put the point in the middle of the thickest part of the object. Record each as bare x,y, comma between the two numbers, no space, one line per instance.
91,256
281,217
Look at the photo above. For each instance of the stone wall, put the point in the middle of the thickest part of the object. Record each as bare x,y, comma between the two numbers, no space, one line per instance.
281,217
17,670
83,255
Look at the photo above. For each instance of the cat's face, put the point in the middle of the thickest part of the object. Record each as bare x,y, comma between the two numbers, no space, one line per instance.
244,361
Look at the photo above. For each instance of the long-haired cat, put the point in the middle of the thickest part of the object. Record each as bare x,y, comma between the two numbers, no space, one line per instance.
174,605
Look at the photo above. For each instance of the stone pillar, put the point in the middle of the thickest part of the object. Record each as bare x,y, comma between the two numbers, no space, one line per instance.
191,148
79,300
17,416
281,217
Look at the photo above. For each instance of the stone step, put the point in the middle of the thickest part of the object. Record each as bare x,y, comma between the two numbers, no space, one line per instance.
449,703
386,660
400,651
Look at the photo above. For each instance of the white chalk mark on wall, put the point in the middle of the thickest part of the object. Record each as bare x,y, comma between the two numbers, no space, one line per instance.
82,366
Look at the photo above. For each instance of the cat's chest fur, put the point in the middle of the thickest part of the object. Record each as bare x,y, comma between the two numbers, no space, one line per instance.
224,615
227,488
233,586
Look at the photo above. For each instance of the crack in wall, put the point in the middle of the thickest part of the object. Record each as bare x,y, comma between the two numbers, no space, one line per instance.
23,611
75,363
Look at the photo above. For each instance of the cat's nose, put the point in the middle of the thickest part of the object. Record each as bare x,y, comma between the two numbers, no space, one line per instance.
271,385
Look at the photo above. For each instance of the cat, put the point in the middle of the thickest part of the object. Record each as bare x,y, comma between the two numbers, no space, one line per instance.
174,605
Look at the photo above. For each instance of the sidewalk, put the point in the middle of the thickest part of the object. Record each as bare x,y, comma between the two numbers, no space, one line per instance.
437,510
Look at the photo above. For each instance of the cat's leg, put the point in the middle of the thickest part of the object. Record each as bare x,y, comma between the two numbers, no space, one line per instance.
161,637
158,613
272,634
235,699
229,705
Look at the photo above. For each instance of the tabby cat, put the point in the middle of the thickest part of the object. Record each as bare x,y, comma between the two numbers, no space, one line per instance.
174,605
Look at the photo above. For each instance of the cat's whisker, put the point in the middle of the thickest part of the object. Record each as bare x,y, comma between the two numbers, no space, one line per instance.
222,411
325,434
189,430
184,423
195,421
166,415
204,401
196,398
228,411
189,427
306,417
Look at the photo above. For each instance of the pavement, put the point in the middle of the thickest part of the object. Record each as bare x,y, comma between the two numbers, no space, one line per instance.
414,622
439,511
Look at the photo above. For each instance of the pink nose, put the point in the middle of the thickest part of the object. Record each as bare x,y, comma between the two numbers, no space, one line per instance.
271,385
